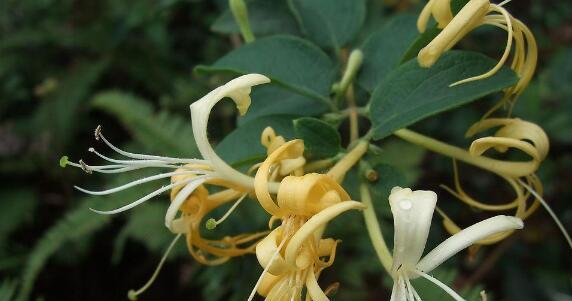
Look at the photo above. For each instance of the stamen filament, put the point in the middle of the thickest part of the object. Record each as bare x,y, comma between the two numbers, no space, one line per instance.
552,214
137,182
146,157
129,162
266,269
145,198
212,223
132,295
440,284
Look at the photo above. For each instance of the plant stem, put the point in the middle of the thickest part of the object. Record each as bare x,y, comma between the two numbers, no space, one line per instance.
348,161
373,229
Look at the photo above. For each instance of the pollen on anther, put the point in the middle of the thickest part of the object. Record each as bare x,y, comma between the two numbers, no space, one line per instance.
97,132
84,167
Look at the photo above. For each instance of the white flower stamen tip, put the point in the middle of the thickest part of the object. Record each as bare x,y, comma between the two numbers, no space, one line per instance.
97,132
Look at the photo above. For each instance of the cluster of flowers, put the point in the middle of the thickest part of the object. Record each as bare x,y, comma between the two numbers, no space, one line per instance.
293,251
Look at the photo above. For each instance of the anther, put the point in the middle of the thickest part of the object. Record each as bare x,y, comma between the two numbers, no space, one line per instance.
97,132
85,167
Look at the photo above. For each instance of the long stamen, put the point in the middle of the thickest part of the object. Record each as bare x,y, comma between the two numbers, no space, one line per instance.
505,2
144,199
128,162
552,214
266,270
137,182
99,135
212,223
113,168
440,284
132,294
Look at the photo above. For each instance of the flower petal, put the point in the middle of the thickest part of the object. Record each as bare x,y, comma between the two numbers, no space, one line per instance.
238,89
467,237
412,213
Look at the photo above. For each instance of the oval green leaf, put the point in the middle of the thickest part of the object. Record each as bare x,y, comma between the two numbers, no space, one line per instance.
321,140
329,23
384,49
289,61
411,93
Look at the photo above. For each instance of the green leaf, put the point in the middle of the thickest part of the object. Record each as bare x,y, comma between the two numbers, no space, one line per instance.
321,140
384,49
289,61
163,133
411,93
244,142
266,17
273,100
330,23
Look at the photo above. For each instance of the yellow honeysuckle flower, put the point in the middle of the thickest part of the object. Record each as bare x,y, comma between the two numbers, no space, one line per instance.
516,134
292,253
474,14
513,133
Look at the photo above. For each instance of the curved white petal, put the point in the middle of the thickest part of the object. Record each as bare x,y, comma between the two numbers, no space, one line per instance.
467,237
239,90
181,198
412,213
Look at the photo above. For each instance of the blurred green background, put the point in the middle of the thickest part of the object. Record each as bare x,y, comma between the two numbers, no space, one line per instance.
67,66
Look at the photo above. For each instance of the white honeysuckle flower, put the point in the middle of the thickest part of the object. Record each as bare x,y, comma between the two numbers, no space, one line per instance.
192,172
412,213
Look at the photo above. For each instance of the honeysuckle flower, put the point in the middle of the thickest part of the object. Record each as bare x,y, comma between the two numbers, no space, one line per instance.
516,134
474,14
292,253
211,167
412,213
513,134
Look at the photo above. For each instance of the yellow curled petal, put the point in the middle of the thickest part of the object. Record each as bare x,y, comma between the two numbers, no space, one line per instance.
314,290
266,249
267,283
460,194
307,195
481,145
521,198
289,150
315,222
